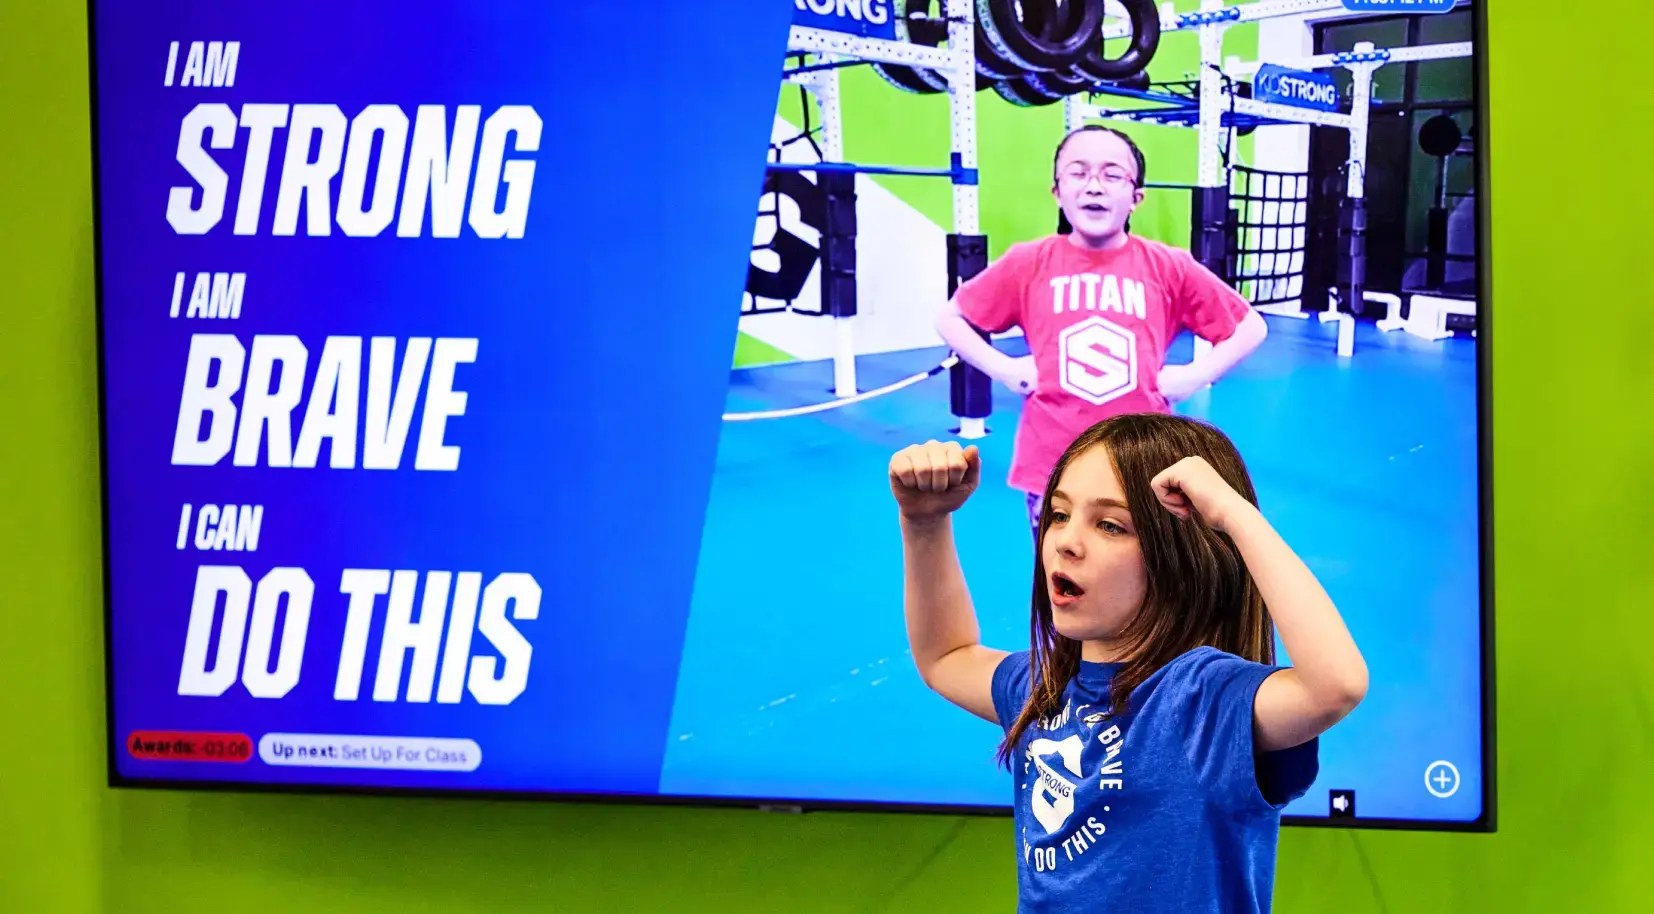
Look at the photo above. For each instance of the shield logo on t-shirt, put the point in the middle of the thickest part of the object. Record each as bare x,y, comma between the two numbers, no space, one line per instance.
1053,796
1097,360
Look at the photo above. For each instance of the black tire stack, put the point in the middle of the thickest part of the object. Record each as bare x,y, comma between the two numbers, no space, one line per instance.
1031,52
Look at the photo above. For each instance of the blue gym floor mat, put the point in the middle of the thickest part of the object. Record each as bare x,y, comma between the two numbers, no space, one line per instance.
796,681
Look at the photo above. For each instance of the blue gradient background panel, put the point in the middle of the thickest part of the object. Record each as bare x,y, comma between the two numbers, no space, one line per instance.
588,441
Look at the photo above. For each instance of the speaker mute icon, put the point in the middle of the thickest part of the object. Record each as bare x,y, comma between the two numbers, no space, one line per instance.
1342,804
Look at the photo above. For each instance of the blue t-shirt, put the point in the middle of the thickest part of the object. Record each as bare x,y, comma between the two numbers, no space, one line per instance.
1163,809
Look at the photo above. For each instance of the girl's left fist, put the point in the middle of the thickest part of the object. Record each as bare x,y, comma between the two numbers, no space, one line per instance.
1192,484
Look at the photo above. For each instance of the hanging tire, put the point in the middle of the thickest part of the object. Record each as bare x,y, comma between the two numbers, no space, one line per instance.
927,25
1074,17
1145,41
1043,38
915,25
1024,92
911,27
1040,89
1139,81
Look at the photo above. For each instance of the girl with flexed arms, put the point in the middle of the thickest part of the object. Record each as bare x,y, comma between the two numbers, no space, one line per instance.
1151,738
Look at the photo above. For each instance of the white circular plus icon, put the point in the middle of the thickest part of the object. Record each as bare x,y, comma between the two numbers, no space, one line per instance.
1441,779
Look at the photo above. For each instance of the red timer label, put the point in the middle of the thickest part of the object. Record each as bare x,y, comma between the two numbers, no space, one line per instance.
175,746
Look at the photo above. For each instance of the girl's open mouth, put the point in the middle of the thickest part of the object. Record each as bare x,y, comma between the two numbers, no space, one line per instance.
1064,590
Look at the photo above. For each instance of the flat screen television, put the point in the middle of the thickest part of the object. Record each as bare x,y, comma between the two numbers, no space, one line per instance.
497,398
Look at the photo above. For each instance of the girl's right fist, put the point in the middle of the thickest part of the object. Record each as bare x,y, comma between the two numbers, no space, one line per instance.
933,479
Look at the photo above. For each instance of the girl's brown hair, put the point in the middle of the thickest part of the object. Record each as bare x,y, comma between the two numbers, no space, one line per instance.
1199,592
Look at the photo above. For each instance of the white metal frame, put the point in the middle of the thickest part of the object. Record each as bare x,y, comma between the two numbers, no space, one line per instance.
956,62
1210,22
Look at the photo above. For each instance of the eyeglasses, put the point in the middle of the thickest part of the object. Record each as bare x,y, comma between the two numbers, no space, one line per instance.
1109,176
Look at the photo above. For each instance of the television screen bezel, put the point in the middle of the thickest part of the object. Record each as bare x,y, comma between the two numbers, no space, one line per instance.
1485,823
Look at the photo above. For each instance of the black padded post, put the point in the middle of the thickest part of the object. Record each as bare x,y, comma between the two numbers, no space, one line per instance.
970,391
838,244
1209,228
1352,253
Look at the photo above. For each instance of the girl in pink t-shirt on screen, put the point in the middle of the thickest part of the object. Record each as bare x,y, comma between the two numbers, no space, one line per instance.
1098,307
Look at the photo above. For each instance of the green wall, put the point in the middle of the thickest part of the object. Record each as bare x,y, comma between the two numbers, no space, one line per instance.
1575,615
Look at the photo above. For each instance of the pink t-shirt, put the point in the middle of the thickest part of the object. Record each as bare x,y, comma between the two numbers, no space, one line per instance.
1098,324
